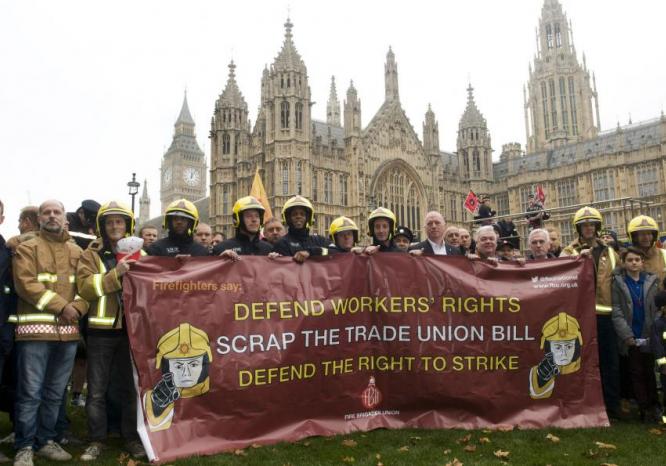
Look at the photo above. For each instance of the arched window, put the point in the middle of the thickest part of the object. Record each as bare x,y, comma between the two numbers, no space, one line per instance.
465,158
226,143
398,191
315,194
236,143
299,115
284,115
299,177
476,162
549,36
343,190
285,178
558,36
328,188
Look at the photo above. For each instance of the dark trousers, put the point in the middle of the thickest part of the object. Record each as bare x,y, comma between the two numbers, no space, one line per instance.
109,357
609,363
643,380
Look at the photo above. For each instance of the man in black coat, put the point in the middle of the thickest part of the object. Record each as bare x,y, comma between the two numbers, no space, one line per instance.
248,218
180,220
435,244
381,227
298,215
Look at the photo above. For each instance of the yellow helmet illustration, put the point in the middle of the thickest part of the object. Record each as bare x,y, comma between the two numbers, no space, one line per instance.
181,208
341,224
563,327
186,341
115,208
247,203
642,223
298,201
382,212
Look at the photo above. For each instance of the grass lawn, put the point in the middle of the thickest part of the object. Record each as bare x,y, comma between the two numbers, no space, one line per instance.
626,443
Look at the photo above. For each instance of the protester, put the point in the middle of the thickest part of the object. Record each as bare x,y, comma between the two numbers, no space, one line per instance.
634,311
181,218
539,244
344,235
588,223
505,251
81,224
45,352
204,235
609,237
434,243
485,214
535,213
643,232
506,230
452,237
486,244
148,233
403,238
99,279
273,230
555,244
466,241
218,237
6,306
381,228
28,225
298,215
248,218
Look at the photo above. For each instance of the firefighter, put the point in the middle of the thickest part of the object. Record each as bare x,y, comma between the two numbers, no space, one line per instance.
643,232
248,218
298,215
47,332
181,218
344,235
381,228
99,279
588,223
403,238
183,357
561,340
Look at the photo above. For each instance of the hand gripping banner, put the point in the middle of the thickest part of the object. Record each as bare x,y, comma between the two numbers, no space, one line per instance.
229,354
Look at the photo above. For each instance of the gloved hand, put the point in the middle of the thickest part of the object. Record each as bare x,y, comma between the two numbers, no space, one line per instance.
165,392
547,369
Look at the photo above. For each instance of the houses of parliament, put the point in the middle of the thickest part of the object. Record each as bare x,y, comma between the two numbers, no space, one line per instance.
347,169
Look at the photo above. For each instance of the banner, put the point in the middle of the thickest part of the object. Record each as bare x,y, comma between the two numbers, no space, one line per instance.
230,354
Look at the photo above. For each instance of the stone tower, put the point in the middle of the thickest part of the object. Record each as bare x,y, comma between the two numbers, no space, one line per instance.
183,165
333,106
430,133
474,146
229,151
391,77
144,204
558,98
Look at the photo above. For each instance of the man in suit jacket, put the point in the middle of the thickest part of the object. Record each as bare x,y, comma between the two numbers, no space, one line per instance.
435,245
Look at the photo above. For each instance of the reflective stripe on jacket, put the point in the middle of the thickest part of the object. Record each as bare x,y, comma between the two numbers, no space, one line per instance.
44,277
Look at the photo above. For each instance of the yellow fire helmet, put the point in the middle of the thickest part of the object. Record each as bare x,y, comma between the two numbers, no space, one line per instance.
587,215
181,208
642,223
341,224
115,208
298,201
382,212
247,203
563,327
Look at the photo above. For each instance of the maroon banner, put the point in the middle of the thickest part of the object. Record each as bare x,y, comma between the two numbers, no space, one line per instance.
229,354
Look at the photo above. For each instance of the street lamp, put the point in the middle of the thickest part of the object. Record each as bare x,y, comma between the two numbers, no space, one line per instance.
133,188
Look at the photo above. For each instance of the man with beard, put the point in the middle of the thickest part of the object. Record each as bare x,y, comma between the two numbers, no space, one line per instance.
298,215
273,231
539,244
248,218
180,220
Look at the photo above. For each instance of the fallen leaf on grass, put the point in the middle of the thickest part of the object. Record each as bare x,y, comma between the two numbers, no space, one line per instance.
655,431
464,439
553,438
255,445
240,452
484,440
447,451
505,428
306,444
405,448
378,456
348,459
471,448
455,462
501,454
605,446
349,442
486,431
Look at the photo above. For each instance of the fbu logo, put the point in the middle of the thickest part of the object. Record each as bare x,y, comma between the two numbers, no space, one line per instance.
371,396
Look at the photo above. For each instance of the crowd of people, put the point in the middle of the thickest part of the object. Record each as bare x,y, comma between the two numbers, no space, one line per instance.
61,308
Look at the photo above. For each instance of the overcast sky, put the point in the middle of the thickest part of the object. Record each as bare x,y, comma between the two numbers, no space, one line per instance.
89,91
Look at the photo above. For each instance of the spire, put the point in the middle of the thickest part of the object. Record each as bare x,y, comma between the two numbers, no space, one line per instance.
391,77
232,96
333,106
144,204
144,194
352,112
472,117
430,133
288,58
351,90
185,118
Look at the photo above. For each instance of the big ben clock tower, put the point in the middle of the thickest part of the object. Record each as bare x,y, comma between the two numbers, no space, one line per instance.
183,165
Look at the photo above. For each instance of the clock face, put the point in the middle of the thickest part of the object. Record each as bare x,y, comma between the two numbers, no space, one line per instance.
191,176
167,175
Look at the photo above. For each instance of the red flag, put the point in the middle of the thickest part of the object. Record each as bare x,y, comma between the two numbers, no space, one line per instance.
539,194
472,203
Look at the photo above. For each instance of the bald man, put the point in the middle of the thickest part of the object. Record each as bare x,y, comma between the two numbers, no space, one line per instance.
435,244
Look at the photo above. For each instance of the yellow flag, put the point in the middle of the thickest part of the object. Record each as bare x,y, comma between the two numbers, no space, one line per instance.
259,192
